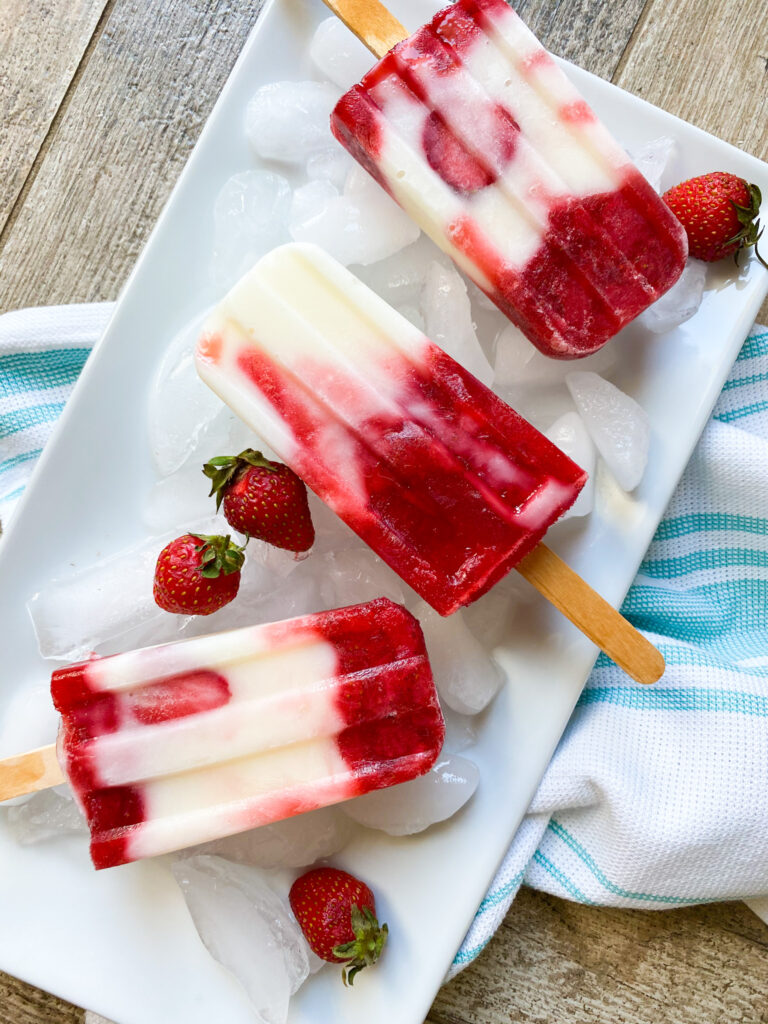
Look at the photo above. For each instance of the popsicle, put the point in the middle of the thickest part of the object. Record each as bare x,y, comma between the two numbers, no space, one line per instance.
476,132
178,744
441,478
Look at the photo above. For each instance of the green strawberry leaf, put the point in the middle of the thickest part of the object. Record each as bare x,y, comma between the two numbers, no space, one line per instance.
224,470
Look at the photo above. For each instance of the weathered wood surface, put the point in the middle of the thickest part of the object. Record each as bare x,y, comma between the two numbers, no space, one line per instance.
40,52
110,163
553,962
101,102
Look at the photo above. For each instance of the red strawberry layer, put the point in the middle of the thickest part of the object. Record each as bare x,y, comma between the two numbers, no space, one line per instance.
381,698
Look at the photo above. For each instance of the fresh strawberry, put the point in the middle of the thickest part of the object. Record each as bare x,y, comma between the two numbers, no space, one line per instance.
196,574
719,212
337,913
262,499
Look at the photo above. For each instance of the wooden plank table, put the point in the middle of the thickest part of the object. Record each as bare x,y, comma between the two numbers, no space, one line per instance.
101,102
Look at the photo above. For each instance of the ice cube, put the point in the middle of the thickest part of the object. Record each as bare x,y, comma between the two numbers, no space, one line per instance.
338,54
250,218
178,500
467,678
460,731
331,533
400,278
108,606
223,434
29,721
248,928
413,315
311,199
415,805
181,407
618,425
362,225
680,303
272,587
46,815
478,297
290,120
654,160
332,164
356,574
491,618
572,437
293,843
514,353
520,366
448,320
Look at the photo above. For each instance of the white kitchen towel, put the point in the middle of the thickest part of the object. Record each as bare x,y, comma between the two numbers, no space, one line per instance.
657,797
42,352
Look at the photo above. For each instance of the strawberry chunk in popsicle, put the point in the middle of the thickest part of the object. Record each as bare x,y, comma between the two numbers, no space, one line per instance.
183,743
474,129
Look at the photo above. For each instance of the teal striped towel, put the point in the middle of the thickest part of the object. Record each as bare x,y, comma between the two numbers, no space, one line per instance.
42,352
656,797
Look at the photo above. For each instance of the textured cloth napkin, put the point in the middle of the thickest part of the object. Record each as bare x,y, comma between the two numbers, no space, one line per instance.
657,797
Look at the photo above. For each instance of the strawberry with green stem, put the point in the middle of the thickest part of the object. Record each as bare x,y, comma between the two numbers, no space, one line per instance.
197,574
720,214
262,499
337,914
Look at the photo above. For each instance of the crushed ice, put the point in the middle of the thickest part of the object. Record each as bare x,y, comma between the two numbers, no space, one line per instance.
248,928
447,314
46,815
250,218
572,437
618,425
361,225
416,805
466,676
293,843
680,303
338,54
289,121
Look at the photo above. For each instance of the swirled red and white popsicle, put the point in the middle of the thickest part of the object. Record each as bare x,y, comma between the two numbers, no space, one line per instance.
474,129
182,743
447,483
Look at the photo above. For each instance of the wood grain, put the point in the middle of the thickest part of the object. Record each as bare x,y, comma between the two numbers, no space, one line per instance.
554,961
23,1004
707,62
137,109
41,47
592,33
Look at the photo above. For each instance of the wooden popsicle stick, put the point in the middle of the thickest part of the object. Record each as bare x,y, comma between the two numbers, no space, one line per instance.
592,614
27,773
371,22
546,571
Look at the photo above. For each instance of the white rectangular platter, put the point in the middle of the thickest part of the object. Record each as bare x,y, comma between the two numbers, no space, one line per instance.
121,942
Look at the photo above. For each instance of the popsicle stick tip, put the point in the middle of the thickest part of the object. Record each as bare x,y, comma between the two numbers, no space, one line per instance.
593,615
30,772
656,668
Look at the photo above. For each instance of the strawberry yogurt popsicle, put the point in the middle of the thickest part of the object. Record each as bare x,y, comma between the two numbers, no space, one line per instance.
179,744
475,131
447,483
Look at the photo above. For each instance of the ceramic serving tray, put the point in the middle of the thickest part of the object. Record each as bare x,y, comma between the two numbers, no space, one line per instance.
121,942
